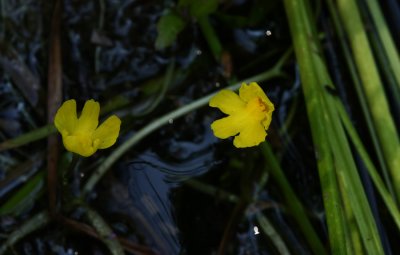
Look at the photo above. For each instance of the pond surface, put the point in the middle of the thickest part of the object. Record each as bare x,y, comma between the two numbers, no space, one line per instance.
180,190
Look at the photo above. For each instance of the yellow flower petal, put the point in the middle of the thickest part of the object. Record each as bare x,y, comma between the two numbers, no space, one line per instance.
66,119
249,92
227,101
228,126
249,115
106,134
81,135
80,144
89,119
268,117
252,135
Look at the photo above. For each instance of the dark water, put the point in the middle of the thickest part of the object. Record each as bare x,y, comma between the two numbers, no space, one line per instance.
108,54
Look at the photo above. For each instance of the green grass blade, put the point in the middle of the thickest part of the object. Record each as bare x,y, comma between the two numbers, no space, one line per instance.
387,40
24,197
361,98
379,184
293,203
373,88
352,187
330,139
355,246
211,37
295,11
347,174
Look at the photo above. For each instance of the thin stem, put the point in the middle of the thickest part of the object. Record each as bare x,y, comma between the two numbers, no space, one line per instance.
167,82
36,222
105,232
211,37
211,190
268,228
29,137
293,203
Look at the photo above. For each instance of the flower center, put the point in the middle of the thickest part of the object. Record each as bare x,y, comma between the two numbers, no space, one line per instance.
261,105
86,140
256,109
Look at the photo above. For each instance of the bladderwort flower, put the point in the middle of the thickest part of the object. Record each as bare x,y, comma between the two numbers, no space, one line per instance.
250,115
82,135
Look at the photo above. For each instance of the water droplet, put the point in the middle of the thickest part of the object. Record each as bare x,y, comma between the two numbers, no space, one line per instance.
71,251
199,52
82,175
256,230
268,33
20,106
217,84
171,121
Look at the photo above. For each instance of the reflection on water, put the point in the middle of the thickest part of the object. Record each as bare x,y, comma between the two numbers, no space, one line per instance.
149,193
144,186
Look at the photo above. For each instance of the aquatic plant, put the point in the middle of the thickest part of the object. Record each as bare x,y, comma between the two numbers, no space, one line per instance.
83,135
324,181
250,114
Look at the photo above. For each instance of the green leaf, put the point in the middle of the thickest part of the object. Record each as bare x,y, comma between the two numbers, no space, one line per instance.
168,28
25,196
201,8
184,3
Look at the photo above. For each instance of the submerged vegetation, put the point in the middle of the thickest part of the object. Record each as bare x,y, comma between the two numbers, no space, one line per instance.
325,180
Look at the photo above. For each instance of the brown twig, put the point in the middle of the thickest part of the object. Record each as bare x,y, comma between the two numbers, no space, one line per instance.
88,230
54,95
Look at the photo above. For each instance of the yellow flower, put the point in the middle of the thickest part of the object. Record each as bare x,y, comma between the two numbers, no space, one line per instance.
250,114
81,135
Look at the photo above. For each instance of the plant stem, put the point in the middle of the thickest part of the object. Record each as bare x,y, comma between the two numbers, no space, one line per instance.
36,222
105,232
269,229
211,37
211,190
